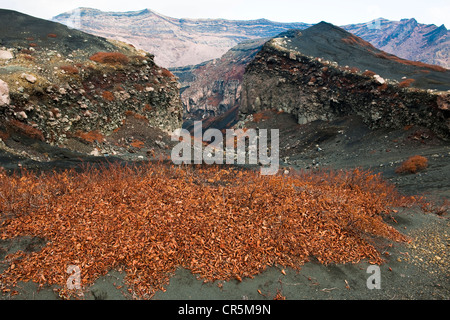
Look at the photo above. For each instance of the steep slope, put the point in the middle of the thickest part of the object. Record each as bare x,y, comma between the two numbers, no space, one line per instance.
65,88
407,39
324,72
175,42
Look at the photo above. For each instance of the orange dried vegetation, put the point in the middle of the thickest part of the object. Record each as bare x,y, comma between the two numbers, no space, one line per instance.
368,73
26,129
413,165
69,69
167,73
388,56
220,223
108,96
258,117
135,115
406,83
137,144
354,40
110,58
90,136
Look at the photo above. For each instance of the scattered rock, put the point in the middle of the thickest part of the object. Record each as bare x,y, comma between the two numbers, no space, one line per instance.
29,77
379,79
6,55
21,115
4,94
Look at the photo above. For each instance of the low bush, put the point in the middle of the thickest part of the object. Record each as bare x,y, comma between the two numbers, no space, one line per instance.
69,69
90,136
413,165
406,83
26,129
108,96
110,58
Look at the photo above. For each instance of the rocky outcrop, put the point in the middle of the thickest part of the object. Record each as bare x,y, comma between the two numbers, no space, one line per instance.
77,99
283,77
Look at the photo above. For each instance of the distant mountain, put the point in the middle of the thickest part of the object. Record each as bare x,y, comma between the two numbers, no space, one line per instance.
407,39
174,42
182,42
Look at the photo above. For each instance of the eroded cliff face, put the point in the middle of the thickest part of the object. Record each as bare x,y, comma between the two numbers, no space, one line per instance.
214,87
82,99
311,88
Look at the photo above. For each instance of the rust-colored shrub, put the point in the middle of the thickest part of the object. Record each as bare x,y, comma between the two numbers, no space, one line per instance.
137,144
108,96
135,115
383,87
26,51
167,73
219,223
406,83
90,136
413,165
69,69
26,129
368,73
259,116
110,58
4,135
388,56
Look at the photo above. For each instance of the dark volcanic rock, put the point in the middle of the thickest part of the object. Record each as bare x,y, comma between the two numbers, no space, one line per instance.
214,87
320,74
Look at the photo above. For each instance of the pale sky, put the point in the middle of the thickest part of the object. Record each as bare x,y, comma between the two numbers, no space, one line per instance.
337,12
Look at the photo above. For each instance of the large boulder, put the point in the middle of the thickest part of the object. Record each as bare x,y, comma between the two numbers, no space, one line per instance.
6,55
4,94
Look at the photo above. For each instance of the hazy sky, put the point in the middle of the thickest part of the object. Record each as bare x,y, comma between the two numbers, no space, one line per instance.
333,11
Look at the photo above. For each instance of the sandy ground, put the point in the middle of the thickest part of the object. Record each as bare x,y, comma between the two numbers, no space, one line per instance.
419,270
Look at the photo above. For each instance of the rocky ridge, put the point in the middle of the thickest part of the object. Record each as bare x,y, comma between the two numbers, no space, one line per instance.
285,78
